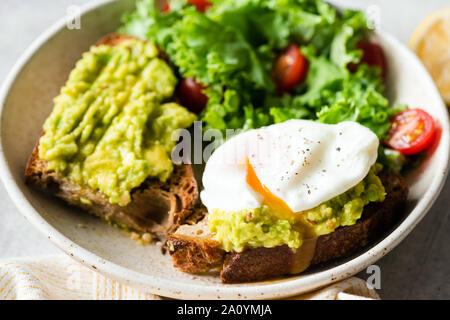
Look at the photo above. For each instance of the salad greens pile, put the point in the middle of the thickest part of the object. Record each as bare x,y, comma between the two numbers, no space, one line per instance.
231,49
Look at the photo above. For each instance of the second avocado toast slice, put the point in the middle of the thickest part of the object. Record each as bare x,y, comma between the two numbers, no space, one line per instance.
155,206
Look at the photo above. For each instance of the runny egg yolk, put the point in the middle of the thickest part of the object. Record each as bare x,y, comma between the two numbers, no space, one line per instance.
270,200
276,204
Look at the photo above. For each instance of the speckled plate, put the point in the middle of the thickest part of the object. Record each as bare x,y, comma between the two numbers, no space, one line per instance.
26,100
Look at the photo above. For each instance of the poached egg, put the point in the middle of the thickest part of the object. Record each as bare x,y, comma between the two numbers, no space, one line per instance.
291,166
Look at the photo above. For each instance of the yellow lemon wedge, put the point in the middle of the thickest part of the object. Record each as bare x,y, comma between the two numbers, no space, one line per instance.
431,42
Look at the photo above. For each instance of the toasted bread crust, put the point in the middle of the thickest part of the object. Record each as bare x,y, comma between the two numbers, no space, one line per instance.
156,207
114,39
257,264
199,256
264,263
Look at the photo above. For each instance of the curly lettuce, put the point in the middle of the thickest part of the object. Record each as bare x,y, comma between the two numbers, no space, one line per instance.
232,47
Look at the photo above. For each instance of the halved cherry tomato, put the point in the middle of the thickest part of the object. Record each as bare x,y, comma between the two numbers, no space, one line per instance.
373,55
201,5
166,7
412,131
290,69
190,93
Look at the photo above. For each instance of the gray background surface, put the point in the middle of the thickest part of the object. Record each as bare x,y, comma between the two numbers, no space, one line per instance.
419,268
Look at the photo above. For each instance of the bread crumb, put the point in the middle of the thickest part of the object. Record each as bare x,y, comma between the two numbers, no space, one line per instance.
147,237
135,236
142,239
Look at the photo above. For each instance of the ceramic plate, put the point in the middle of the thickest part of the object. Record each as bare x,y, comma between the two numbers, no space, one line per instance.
26,101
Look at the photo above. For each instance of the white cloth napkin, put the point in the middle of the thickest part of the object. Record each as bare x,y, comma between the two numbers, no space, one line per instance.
59,277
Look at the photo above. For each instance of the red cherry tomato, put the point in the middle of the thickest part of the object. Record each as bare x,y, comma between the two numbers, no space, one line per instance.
412,131
290,69
201,5
190,93
166,7
373,55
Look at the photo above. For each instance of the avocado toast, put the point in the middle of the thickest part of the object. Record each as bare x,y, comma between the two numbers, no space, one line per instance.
194,250
280,198
156,206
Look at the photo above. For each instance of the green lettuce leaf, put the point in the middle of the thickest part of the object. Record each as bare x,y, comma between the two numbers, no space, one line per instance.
232,48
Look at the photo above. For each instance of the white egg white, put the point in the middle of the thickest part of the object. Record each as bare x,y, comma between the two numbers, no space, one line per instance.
303,163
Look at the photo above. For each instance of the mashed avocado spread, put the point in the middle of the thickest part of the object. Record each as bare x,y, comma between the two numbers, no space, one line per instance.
110,127
261,227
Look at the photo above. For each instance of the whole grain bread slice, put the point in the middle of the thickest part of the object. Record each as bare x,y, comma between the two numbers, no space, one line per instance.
194,250
157,208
